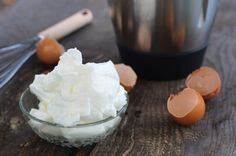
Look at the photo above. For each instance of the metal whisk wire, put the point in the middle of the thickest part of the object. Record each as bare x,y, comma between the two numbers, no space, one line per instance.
12,57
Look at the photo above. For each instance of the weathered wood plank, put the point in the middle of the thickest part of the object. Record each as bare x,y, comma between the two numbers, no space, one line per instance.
146,129
153,133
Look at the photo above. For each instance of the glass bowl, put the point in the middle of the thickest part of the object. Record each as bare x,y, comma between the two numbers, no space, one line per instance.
70,136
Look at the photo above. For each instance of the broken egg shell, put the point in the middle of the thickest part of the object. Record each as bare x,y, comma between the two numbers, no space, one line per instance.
128,77
211,87
192,116
212,95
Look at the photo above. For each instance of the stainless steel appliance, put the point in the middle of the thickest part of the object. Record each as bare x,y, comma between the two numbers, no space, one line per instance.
163,39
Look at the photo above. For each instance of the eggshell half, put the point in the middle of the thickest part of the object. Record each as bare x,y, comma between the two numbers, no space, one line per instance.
205,81
128,77
187,107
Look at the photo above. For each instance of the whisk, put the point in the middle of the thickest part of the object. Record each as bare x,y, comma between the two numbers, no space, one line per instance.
13,56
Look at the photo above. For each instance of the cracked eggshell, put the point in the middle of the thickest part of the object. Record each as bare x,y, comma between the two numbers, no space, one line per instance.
205,81
187,107
128,77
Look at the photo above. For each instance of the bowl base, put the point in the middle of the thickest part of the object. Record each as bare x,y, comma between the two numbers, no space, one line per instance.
162,67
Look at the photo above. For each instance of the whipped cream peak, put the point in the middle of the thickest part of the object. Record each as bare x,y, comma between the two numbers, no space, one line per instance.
75,93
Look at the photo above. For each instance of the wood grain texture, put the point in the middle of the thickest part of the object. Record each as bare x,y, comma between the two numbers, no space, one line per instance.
147,128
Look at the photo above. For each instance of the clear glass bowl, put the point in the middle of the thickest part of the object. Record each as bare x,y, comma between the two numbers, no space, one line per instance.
70,136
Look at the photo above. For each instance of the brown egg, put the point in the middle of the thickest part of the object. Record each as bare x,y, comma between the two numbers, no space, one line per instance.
206,81
127,76
49,50
187,107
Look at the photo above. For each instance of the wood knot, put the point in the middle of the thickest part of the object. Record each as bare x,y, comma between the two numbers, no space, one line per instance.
137,113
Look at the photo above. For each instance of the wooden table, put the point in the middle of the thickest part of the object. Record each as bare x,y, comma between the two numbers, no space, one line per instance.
146,129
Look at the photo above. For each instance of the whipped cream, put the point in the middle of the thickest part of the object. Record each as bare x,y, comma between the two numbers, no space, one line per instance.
75,93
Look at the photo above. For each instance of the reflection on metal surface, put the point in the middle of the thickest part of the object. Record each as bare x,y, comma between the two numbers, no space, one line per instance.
163,26
179,36
144,38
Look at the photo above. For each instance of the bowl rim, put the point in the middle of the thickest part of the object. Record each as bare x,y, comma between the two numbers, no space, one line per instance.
25,112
